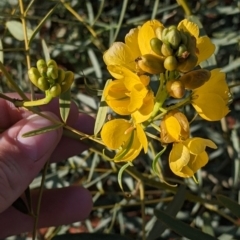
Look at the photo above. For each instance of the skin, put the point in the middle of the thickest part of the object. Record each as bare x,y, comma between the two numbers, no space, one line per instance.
21,160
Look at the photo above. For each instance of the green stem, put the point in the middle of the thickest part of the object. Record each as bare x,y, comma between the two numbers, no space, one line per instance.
180,104
38,102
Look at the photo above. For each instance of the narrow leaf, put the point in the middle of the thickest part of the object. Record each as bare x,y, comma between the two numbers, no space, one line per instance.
1,52
16,29
155,161
102,113
45,50
172,209
42,130
122,169
65,104
36,30
233,206
182,228
91,90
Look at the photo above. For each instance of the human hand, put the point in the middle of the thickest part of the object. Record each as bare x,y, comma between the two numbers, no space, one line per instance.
21,159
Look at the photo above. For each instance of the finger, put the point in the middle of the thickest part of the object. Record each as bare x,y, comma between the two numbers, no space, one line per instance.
59,206
11,114
21,159
68,147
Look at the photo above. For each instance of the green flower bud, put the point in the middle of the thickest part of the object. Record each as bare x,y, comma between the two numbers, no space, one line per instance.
184,37
52,72
51,62
172,36
151,64
61,75
43,84
166,50
170,63
67,82
182,52
55,90
34,75
156,45
42,67
195,79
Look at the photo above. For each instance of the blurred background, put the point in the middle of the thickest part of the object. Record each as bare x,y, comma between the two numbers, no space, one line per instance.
76,38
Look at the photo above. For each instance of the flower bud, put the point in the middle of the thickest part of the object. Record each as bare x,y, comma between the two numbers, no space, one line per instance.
158,32
52,72
67,82
61,75
156,45
195,79
182,52
42,67
172,36
151,64
43,84
174,127
55,90
175,88
166,50
52,63
34,75
170,63
188,64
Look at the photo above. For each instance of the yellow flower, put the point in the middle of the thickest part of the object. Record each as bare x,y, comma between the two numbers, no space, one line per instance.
123,54
121,135
130,94
205,48
211,99
187,157
174,127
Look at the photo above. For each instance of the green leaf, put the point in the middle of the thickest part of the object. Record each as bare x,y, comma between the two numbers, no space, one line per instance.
233,206
172,209
36,30
182,228
155,161
92,91
102,113
122,169
42,130
16,29
65,104
45,50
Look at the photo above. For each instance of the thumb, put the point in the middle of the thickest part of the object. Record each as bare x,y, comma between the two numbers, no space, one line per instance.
21,159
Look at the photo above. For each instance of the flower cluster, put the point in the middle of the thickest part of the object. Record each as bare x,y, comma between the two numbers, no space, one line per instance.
174,54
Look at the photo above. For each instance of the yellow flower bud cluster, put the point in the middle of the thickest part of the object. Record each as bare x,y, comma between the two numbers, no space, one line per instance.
50,78
176,47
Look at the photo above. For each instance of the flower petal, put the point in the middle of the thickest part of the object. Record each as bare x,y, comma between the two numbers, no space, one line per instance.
131,40
113,133
205,48
210,106
120,54
146,33
197,145
142,137
198,161
178,158
190,27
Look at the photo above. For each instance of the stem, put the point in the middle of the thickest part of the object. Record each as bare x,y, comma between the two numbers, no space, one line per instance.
39,200
185,7
23,16
180,104
38,102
